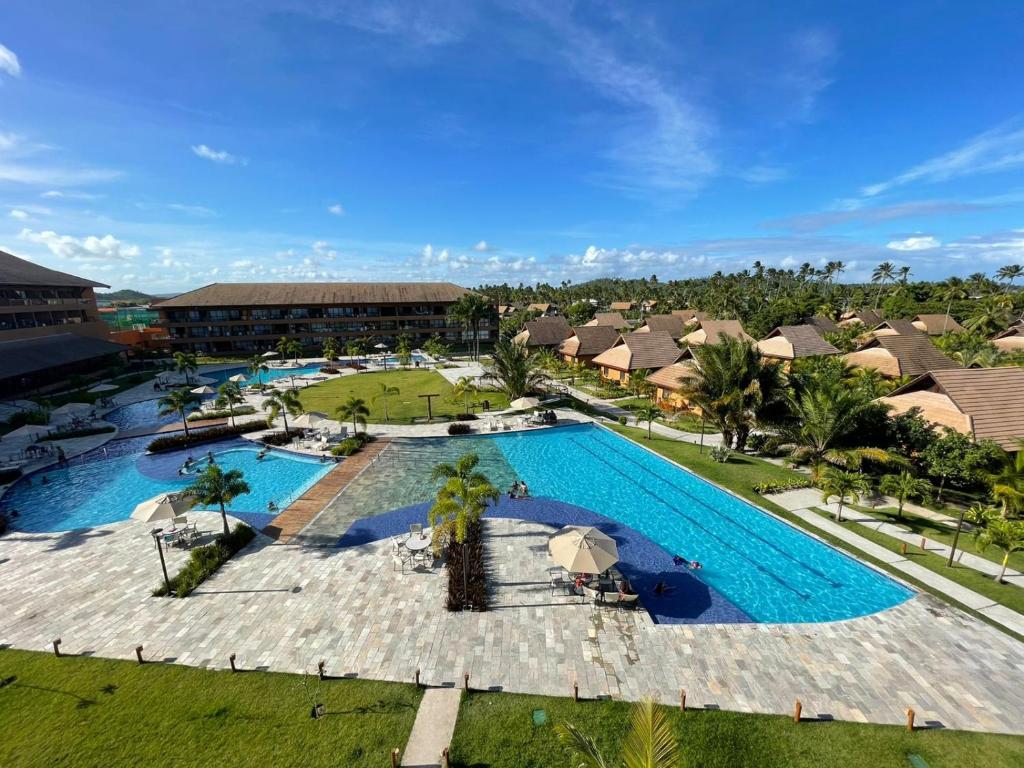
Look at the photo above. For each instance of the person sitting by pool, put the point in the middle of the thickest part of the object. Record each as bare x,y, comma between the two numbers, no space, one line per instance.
624,587
695,565
209,457
524,491
581,580
514,490
677,560
271,506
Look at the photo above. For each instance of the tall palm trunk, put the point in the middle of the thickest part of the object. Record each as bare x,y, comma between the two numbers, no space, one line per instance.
184,421
1002,573
224,517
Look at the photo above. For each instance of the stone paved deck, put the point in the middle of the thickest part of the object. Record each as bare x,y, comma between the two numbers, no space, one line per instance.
284,607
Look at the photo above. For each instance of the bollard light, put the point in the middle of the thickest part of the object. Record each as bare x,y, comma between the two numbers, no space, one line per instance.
56,647
155,533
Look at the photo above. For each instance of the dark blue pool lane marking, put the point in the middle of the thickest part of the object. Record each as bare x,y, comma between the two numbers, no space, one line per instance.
820,574
689,600
671,508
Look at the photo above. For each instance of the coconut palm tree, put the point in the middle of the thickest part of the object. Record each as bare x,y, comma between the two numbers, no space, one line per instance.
955,290
469,312
991,314
282,403
215,486
1008,481
466,388
843,485
650,742
185,362
1009,273
257,366
178,401
1007,535
282,347
386,392
514,369
647,412
330,349
638,385
295,349
230,394
883,273
904,487
353,409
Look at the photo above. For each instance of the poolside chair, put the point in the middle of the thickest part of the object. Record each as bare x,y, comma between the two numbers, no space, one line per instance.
399,561
627,602
592,596
415,529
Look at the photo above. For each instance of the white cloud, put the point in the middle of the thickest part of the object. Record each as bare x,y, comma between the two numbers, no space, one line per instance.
241,264
9,62
17,213
20,173
106,248
1000,149
482,247
336,209
54,194
917,243
192,210
217,155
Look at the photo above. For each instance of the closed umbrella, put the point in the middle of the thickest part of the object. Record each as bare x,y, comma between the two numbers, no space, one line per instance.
582,549
310,419
203,390
238,378
163,507
524,403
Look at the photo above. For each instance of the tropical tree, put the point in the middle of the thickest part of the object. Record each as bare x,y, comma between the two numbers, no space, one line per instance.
283,347
883,273
991,314
230,394
185,362
178,401
1007,481
514,369
638,385
466,388
650,742
904,487
955,457
257,366
546,359
1003,534
435,347
295,349
1009,273
955,290
842,485
403,350
353,409
470,311
281,404
734,387
386,391
215,486
647,412
355,348
330,349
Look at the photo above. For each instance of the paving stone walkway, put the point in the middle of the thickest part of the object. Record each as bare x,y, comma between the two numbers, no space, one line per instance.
433,728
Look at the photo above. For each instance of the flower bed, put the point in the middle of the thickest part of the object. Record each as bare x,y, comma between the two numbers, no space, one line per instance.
475,577
197,437
204,561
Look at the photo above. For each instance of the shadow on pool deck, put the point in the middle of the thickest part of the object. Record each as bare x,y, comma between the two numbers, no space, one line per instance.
687,599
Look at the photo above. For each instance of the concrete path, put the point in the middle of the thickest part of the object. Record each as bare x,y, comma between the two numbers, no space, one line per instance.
433,729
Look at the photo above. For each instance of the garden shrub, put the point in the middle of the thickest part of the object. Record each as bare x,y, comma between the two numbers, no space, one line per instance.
622,420
473,551
459,428
769,487
721,453
465,417
196,437
329,369
223,413
280,438
204,561
347,447
35,416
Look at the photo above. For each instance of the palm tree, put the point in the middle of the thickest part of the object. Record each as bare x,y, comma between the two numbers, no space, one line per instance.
843,485
185,362
466,388
1009,273
650,742
1007,535
514,369
282,403
403,350
1008,481
215,486
230,394
904,487
384,394
883,272
257,366
647,412
177,401
355,409
330,349
955,290
991,314
282,347
638,384
904,273
295,349
469,312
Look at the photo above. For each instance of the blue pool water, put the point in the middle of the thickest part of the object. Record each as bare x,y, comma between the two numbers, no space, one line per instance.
104,487
273,374
143,413
769,569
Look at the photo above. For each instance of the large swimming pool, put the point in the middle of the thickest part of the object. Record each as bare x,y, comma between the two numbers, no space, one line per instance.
769,569
104,485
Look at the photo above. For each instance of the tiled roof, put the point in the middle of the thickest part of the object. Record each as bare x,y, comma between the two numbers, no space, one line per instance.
655,349
672,376
710,332
993,398
15,271
611,319
913,355
546,331
936,325
671,324
589,340
822,323
622,305
901,327
801,340
278,294
27,356
689,315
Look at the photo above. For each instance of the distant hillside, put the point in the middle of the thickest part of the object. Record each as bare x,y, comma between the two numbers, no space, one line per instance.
125,295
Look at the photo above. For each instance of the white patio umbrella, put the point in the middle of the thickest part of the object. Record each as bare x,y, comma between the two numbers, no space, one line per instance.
269,353
72,409
582,549
524,403
310,419
203,390
163,507
238,378
33,431
102,388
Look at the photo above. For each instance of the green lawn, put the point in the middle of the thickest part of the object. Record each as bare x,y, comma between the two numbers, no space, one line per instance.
104,713
497,731
404,407
739,474
1009,595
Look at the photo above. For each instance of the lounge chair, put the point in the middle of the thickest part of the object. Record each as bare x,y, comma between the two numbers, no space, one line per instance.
416,529
625,602
591,595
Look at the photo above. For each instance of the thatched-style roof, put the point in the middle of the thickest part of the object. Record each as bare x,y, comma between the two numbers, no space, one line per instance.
633,351
788,342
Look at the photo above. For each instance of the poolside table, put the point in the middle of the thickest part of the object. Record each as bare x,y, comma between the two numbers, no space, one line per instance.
417,543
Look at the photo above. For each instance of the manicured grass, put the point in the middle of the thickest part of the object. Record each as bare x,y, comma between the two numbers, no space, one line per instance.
96,712
740,474
496,730
1009,595
687,422
404,407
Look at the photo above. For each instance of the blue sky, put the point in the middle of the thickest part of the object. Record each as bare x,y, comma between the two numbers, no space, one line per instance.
163,146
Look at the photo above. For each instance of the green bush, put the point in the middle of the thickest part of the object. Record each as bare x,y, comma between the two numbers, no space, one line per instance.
459,428
766,488
347,447
721,453
9,475
224,413
279,438
71,433
204,561
197,437
35,416
622,420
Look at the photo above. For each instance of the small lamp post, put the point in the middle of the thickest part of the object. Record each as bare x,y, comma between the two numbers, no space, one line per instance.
155,533
383,353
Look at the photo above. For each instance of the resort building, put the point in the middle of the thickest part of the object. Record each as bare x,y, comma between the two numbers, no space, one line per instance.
673,325
790,342
586,342
1010,340
984,403
623,306
869,318
899,355
896,328
711,331
610,319
669,383
544,332
637,351
692,315
936,325
251,317
546,310
506,310
822,324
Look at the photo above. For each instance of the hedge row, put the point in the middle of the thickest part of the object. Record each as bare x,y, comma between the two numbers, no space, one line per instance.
475,576
766,488
208,435
204,561
224,413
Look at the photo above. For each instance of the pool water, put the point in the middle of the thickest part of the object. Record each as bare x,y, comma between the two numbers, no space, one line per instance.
104,485
143,413
769,569
272,374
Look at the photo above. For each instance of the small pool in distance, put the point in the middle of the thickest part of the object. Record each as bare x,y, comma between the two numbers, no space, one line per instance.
272,374
104,486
